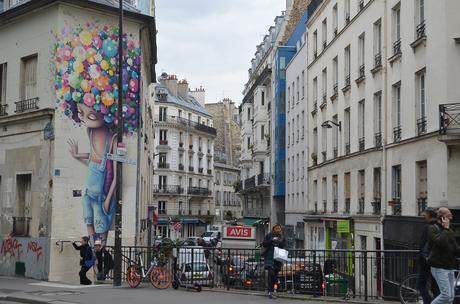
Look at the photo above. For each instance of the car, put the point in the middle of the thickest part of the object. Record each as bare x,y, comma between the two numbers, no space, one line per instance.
193,241
211,236
196,273
232,268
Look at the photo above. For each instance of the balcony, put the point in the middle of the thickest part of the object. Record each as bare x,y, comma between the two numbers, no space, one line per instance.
397,134
361,205
361,144
347,83
191,169
376,206
167,189
324,206
163,142
361,74
314,158
163,166
181,167
181,145
200,170
27,105
347,18
449,123
3,110
197,126
209,171
377,63
335,206
324,44
335,152
263,179
421,126
162,212
238,186
335,31
21,226
315,206
323,102
190,147
347,206
324,155
396,207
396,51
315,108
420,35
250,183
257,212
347,148
335,91
378,139
199,191
421,205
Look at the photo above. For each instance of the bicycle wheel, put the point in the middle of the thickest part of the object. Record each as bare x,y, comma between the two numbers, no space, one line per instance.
133,277
160,277
408,292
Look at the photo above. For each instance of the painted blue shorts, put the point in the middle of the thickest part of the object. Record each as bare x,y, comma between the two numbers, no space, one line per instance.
94,213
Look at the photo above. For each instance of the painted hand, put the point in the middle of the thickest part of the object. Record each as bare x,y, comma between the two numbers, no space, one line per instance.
73,147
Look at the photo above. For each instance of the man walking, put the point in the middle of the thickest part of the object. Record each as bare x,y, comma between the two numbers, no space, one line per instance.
424,271
104,261
86,259
442,257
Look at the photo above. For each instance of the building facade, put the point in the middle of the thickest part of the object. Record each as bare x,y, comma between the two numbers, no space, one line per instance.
228,202
183,164
57,102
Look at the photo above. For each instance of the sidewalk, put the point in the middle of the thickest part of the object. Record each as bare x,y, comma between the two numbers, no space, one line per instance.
21,290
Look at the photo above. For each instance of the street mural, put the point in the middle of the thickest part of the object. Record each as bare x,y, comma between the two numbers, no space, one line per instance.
86,85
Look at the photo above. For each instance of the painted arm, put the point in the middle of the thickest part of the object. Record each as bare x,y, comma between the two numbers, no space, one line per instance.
73,149
108,199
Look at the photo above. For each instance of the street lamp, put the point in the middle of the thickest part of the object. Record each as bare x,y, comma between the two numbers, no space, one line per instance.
118,211
328,124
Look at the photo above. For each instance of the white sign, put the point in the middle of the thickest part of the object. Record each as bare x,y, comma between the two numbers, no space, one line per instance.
121,159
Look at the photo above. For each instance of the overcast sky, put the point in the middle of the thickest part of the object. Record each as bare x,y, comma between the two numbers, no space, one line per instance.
211,42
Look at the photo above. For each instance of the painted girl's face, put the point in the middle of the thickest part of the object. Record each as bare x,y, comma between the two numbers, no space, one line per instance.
89,116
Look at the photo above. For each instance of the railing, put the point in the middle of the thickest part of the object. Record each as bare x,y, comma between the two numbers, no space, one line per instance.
335,89
263,179
347,206
420,30
162,211
21,226
324,44
376,207
449,119
315,206
361,205
378,139
361,4
250,183
191,169
335,206
163,165
396,207
324,155
190,147
397,133
324,101
397,47
347,18
347,148
315,108
378,60
181,167
163,142
181,145
167,189
361,72
3,109
421,125
335,152
27,105
257,212
238,186
324,206
209,171
421,205
199,191
197,126
200,170
361,144
347,81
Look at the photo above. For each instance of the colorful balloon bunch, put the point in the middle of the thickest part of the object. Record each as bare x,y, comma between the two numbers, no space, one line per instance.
86,71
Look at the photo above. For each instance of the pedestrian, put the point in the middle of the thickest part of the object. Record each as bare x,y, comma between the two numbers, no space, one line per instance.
443,250
272,240
86,259
424,272
104,261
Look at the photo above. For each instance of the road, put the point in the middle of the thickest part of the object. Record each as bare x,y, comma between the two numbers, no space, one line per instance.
60,293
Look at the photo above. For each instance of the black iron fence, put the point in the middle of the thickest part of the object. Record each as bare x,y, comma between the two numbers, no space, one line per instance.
352,274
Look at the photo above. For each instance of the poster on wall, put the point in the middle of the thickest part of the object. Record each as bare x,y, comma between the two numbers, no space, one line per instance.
86,83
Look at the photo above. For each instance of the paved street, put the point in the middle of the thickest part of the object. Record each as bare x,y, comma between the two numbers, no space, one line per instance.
61,293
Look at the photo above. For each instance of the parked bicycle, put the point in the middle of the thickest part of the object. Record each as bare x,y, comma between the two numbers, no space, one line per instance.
158,273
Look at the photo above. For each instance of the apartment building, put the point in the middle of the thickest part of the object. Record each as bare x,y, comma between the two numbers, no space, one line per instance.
183,163
228,202
56,122
380,74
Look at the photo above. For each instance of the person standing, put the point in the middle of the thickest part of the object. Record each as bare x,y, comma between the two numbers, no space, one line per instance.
272,240
86,259
104,261
443,250
424,271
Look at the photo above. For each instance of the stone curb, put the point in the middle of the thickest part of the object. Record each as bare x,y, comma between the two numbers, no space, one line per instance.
30,300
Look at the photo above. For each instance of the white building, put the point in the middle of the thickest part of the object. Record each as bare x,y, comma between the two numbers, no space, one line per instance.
296,139
228,202
377,74
183,178
45,188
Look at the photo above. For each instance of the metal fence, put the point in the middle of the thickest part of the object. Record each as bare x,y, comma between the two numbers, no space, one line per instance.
353,274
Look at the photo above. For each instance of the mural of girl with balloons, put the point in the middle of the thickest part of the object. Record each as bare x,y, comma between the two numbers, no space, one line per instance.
85,81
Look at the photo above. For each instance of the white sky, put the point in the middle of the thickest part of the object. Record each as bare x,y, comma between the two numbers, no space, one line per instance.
211,42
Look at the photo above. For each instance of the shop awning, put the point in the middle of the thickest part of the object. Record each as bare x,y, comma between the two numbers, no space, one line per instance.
252,221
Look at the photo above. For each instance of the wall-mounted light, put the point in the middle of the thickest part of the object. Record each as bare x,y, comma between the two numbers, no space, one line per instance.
329,123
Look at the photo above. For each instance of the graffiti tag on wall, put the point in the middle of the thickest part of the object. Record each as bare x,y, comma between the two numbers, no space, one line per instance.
35,248
11,247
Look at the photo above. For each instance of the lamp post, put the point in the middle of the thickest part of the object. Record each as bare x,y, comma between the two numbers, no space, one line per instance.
119,193
328,124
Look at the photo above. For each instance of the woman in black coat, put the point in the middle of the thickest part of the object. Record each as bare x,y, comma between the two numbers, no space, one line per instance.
272,240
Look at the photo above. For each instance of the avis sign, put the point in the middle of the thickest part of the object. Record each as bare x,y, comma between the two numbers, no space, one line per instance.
240,233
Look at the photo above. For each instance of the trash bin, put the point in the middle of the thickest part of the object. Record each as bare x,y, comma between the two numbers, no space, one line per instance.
336,286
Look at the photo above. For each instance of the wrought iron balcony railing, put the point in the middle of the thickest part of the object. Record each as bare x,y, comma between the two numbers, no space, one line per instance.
163,142
3,109
420,30
449,119
361,144
347,148
397,47
163,165
335,152
347,206
361,205
191,169
27,105
378,60
209,171
324,206
378,139
335,206
167,189
421,125
263,179
250,183
199,191
181,167
397,133
421,205
376,206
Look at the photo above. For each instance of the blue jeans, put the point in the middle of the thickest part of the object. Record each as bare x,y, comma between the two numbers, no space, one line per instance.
446,282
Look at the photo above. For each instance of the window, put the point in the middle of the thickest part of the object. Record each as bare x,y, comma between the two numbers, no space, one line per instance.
361,47
315,43
335,74
315,140
397,105
303,124
249,113
377,41
162,158
303,84
315,90
422,180
347,64
324,139
377,184
163,111
335,188
347,126
324,196
249,143
324,31
263,98
23,195
419,12
420,85
199,119
378,112
361,119
190,140
179,113
324,84
289,98
3,71
347,186
29,77
396,12
262,132
396,185
361,183
162,181
163,135
346,9
293,94
189,116
161,207
335,136
298,88
335,19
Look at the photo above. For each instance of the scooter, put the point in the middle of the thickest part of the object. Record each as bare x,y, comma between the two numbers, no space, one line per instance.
177,281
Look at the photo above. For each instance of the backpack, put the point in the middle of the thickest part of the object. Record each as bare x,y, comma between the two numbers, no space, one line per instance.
92,260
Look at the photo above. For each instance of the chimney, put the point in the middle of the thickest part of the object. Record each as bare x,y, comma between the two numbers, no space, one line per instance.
199,95
170,81
182,89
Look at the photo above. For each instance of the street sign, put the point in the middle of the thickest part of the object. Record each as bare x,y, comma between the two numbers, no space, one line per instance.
121,159
343,226
239,232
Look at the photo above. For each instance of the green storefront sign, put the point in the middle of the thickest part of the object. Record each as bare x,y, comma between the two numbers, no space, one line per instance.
343,226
